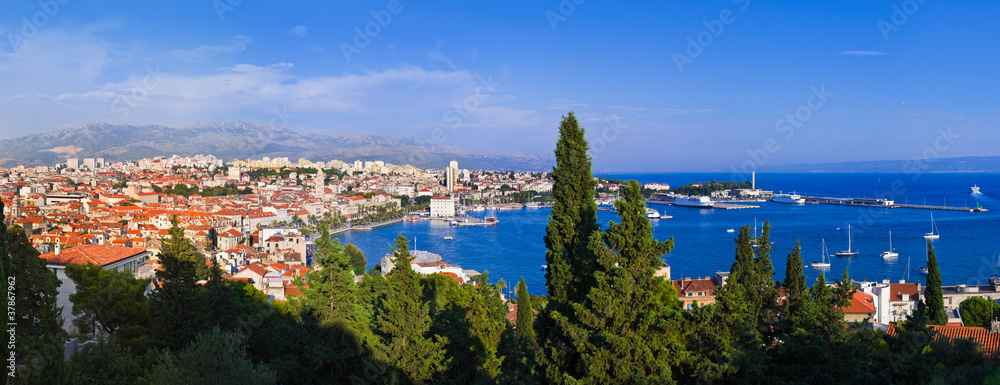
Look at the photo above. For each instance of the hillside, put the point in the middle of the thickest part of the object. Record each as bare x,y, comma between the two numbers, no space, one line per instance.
246,140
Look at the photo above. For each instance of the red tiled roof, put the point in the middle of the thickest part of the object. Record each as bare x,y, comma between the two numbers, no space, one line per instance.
896,289
102,255
861,303
688,285
989,343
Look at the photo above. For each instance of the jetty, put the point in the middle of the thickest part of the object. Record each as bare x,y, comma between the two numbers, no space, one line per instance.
885,203
732,206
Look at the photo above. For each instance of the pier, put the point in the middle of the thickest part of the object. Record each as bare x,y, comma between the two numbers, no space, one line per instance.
885,203
732,206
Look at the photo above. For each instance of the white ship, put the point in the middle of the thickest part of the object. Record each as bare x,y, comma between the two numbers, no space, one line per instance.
696,201
891,253
652,214
792,198
975,189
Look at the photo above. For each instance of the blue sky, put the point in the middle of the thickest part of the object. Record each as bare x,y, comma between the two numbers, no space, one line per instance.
861,80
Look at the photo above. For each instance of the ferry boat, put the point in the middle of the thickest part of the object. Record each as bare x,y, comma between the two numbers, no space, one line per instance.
975,189
792,198
694,201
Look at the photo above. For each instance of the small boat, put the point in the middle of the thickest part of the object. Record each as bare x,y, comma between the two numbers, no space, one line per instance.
822,264
731,231
848,252
448,237
652,214
545,267
891,253
975,190
923,270
934,231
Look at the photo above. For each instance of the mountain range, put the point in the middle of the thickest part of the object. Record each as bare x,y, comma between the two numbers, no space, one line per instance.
984,164
118,142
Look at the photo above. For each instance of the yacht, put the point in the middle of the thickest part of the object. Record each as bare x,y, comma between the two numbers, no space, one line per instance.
694,201
934,231
478,208
822,264
848,252
448,237
792,198
975,189
891,253
652,214
731,230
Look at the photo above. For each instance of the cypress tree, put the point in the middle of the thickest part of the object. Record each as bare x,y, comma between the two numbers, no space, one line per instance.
178,312
571,263
402,327
524,327
624,315
330,296
796,292
933,295
734,296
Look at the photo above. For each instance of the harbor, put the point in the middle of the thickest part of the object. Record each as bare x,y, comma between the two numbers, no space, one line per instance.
886,203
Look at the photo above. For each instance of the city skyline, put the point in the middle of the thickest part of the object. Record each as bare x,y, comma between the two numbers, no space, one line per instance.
721,85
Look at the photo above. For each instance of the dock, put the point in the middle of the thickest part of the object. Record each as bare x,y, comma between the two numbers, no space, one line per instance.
472,221
885,204
732,206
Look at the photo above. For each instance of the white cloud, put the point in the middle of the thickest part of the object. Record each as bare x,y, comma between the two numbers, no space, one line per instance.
299,31
237,44
565,104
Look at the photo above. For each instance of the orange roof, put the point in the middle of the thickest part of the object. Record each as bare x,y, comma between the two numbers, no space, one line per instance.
861,303
688,285
897,289
989,343
102,255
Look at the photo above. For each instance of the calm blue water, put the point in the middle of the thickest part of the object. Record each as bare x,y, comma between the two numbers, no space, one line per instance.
967,251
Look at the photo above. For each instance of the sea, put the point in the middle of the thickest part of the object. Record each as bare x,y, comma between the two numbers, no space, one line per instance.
968,250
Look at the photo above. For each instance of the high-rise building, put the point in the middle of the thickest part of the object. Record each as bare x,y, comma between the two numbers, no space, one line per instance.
451,175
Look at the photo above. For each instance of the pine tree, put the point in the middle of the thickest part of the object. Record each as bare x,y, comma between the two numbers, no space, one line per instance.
178,312
624,315
525,329
796,291
933,295
402,325
571,264
330,296
734,297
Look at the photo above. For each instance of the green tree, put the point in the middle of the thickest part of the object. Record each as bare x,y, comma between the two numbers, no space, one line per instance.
525,316
571,263
330,296
356,259
624,315
402,326
109,301
933,295
215,357
796,291
178,313
37,318
978,311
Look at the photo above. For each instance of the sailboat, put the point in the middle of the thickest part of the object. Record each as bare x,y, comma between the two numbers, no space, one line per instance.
934,231
823,264
891,253
848,252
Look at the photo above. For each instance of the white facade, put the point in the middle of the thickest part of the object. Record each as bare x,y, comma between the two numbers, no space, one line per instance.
442,207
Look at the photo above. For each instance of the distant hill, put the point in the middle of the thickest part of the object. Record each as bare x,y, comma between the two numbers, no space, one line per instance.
962,164
247,140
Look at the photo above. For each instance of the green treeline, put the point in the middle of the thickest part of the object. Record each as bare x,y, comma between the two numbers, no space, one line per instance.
706,189
605,319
